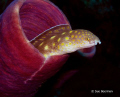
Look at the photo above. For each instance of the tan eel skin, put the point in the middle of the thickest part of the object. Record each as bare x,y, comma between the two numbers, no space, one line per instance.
61,39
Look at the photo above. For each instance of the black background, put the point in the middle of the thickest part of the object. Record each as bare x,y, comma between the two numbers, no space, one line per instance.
102,71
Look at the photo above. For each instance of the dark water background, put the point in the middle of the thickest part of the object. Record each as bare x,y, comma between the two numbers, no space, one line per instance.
101,72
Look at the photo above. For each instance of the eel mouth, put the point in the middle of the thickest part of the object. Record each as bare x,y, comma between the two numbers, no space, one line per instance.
95,42
91,44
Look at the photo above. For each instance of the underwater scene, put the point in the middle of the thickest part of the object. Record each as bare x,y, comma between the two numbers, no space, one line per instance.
59,48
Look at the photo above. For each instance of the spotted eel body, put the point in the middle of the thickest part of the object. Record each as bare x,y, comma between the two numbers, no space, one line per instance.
61,39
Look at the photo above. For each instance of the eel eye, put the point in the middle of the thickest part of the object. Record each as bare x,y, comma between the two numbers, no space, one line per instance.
88,39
